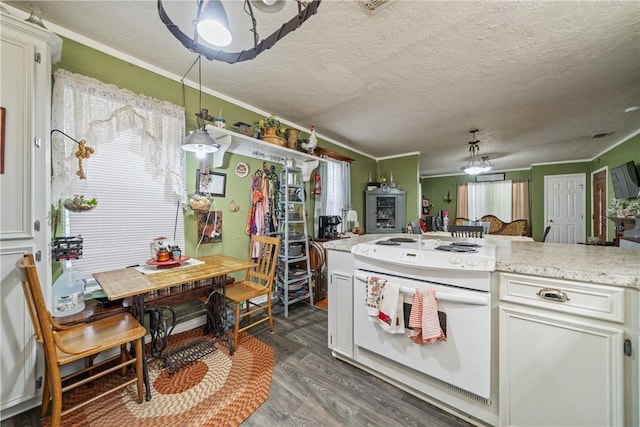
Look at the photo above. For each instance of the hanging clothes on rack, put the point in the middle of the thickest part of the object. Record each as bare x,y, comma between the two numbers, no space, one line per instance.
262,220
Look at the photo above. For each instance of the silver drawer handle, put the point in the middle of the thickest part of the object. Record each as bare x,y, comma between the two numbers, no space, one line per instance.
553,295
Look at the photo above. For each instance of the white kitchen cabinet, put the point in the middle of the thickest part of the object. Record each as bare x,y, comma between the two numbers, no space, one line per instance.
26,53
561,349
340,290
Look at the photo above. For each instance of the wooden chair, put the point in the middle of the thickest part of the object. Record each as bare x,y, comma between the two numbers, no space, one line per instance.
466,230
258,281
67,344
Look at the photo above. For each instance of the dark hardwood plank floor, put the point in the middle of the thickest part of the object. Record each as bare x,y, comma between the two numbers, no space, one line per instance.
311,388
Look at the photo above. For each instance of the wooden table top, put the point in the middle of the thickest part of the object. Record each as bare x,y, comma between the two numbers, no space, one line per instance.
127,282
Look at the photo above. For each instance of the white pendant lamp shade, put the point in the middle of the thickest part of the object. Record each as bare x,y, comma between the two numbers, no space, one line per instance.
213,25
200,142
268,6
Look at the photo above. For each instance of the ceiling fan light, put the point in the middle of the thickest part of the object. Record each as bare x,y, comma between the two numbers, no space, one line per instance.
200,142
213,25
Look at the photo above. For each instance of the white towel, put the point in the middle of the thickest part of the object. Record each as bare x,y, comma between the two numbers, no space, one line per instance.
391,316
372,299
424,318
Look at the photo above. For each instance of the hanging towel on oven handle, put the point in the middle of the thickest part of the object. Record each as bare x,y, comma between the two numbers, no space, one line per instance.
374,288
391,315
424,318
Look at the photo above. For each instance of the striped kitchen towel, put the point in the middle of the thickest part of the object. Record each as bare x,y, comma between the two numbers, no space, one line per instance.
424,318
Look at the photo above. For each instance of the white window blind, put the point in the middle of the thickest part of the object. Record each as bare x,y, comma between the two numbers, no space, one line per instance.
132,210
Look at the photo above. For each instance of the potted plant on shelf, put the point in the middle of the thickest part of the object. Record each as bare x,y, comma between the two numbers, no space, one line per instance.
271,129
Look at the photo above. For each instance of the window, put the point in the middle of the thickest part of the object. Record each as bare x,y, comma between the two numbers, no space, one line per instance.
132,210
136,172
490,198
335,195
507,200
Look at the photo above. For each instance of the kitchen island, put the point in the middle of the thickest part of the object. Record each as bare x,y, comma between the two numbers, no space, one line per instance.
565,328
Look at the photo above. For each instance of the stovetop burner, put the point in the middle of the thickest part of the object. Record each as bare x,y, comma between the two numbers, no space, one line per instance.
466,244
402,240
457,248
387,243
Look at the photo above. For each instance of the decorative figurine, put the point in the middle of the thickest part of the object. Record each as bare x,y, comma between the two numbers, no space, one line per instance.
311,144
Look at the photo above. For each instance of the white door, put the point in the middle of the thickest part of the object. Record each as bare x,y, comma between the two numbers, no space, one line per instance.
564,207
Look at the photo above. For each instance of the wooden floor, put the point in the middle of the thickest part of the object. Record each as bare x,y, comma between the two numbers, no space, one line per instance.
311,388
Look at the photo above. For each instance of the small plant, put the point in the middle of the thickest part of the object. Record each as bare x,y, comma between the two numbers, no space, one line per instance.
270,122
78,203
623,208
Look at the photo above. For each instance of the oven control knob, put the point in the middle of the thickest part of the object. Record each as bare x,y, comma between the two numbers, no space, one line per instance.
472,262
455,260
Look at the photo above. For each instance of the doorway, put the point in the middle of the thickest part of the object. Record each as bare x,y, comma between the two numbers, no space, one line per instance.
599,204
564,207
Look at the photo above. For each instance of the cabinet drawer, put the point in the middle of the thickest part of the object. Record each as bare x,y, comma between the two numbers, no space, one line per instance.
583,299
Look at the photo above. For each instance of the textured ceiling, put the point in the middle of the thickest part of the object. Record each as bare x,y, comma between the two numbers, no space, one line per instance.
538,79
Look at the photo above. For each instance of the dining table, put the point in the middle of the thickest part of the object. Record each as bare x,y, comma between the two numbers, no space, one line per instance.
140,283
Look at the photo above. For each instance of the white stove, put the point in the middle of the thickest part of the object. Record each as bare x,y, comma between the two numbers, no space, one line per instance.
459,272
470,255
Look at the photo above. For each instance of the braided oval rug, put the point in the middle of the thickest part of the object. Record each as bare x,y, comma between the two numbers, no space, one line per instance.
216,390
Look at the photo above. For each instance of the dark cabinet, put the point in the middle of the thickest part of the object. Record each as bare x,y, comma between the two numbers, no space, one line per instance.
385,210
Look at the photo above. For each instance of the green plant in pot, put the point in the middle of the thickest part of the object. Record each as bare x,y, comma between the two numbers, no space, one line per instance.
270,126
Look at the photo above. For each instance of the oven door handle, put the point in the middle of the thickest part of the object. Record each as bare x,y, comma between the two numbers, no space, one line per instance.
443,296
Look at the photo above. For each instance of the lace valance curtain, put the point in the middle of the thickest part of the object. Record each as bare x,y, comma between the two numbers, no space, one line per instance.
88,109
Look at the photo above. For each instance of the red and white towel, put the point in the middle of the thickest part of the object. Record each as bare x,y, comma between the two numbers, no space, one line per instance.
424,318
391,315
372,299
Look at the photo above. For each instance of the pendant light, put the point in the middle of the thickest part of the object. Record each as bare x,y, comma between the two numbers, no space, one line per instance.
199,141
477,164
209,37
268,6
213,25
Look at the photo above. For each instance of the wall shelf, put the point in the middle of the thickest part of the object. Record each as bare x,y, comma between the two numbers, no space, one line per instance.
238,143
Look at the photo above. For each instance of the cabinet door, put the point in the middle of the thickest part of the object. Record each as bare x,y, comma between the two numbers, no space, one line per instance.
385,211
558,370
340,290
24,224
341,313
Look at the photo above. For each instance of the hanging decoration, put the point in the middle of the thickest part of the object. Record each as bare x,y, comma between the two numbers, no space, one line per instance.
317,185
79,202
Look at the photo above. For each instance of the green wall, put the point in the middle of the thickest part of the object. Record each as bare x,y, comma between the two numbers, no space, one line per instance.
81,59
406,174
627,151
436,188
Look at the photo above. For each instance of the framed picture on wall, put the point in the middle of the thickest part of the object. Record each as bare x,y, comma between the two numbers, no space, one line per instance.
212,183
210,227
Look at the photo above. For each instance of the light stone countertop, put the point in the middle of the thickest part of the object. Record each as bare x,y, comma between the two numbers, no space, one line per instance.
594,264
